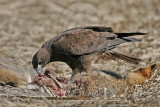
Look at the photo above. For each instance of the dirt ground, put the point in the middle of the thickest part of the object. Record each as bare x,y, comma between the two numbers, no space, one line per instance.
26,24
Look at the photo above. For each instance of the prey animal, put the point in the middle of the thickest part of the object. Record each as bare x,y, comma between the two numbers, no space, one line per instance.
78,47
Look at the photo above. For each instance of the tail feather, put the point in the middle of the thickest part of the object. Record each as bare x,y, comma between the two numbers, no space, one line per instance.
126,57
131,39
121,35
119,41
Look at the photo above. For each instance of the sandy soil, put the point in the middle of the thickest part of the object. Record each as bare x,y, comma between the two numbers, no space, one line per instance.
26,24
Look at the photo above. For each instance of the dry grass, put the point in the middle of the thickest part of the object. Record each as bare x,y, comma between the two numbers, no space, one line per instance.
26,24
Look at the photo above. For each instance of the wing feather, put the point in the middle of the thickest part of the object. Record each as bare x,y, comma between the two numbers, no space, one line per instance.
88,39
82,41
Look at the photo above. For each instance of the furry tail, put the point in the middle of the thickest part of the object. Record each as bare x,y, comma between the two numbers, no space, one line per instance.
139,76
13,78
121,35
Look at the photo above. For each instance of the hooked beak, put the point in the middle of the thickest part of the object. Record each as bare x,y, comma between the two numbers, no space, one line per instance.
39,69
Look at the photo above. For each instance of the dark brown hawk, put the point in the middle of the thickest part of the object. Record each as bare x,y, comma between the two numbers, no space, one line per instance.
79,46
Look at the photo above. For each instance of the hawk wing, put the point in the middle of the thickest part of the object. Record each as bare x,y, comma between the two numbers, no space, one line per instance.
84,40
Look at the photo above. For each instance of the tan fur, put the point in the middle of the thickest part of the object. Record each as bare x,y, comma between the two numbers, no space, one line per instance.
8,76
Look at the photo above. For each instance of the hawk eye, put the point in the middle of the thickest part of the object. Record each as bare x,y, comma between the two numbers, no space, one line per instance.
40,62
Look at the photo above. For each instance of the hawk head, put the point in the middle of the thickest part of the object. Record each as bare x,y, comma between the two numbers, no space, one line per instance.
40,59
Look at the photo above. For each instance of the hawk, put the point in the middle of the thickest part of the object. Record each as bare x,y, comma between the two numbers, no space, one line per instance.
78,47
